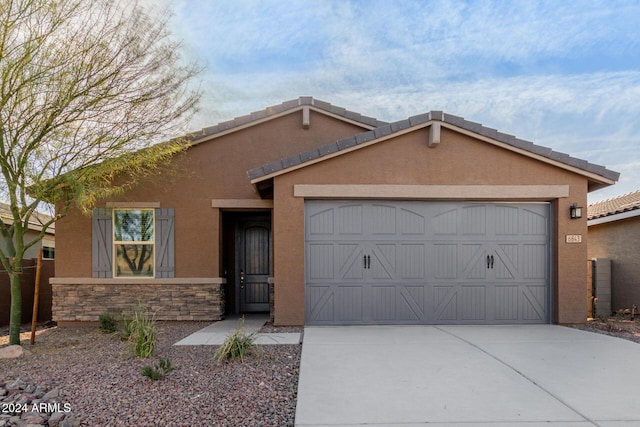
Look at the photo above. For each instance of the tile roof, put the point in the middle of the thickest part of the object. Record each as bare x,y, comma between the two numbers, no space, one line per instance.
616,205
275,110
460,122
34,223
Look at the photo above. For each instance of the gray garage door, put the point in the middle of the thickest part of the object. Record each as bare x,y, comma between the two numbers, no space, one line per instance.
399,262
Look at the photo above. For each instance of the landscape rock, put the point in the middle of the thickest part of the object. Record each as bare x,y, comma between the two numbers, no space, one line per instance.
12,351
100,384
26,404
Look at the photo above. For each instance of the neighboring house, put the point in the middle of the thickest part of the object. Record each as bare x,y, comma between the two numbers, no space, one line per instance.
614,233
433,219
47,243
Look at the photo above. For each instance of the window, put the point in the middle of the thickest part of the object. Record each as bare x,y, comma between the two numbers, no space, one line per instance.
48,248
133,242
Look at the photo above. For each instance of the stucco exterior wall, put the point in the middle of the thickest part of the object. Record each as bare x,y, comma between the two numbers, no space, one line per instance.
29,235
217,170
406,160
620,242
210,170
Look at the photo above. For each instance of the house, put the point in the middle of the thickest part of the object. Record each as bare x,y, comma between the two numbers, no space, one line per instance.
47,243
614,234
323,216
27,278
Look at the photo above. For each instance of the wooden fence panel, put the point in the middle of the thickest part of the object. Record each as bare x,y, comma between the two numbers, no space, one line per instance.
28,287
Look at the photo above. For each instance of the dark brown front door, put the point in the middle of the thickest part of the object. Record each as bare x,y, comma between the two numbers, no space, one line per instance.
254,264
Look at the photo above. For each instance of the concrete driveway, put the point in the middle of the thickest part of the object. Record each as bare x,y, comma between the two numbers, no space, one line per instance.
450,376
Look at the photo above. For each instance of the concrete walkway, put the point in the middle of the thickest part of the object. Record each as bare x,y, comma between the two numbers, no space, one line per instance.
465,376
217,332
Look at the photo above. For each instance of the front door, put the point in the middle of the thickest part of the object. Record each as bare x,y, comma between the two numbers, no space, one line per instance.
253,264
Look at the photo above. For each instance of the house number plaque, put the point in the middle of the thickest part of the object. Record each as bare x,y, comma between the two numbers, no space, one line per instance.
574,238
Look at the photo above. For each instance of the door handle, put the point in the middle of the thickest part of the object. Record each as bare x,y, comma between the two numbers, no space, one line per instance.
490,261
241,279
367,261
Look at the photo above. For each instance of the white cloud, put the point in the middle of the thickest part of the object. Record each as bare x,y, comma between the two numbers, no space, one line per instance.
550,72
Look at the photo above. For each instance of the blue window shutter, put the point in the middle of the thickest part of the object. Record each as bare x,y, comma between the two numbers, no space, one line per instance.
165,259
102,243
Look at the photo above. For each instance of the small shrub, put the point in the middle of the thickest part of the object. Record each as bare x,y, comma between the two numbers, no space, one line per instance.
107,323
159,371
623,314
140,331
236,346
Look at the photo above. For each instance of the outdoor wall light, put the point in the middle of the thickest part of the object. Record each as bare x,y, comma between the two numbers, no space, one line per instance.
575,211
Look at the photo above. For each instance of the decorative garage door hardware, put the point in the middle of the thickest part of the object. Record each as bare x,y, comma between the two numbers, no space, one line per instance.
490,261
367,262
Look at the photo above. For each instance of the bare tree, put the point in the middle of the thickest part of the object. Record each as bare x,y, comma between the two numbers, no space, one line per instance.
88,88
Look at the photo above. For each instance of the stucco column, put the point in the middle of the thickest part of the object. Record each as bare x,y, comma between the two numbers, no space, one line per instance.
288,259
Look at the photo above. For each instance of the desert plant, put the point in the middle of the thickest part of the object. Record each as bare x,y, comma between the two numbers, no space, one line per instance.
623,313
159,371
107,323
237,345
140,331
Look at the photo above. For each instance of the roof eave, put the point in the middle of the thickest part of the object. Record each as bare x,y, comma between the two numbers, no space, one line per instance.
613,217
284,109
595,181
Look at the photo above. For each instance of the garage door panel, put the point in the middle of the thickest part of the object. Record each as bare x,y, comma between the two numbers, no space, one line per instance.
506,302
445,304
474,261
534,222
383,304
320,223
411,301
473,303
445,223
383,264
382,220
506,220
533,302
474,222
425,263
320,258
412,223
411,262
349,220
350,261
505,262
445,261
319,304
348,303
535,261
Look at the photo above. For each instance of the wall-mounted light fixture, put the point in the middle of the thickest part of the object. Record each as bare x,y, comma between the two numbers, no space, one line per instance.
575,211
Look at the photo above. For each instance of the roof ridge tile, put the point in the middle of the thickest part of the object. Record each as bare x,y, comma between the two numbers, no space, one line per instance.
256,116
383,129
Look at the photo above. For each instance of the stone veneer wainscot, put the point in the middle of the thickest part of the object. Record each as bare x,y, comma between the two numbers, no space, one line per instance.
81,300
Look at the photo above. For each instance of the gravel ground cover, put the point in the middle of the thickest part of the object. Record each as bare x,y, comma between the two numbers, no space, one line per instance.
102,383
624,328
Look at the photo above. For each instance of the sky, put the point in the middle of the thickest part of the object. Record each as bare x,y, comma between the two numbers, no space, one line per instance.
562,74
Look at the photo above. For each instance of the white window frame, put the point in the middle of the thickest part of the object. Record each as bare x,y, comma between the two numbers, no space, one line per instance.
115,242
49,243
